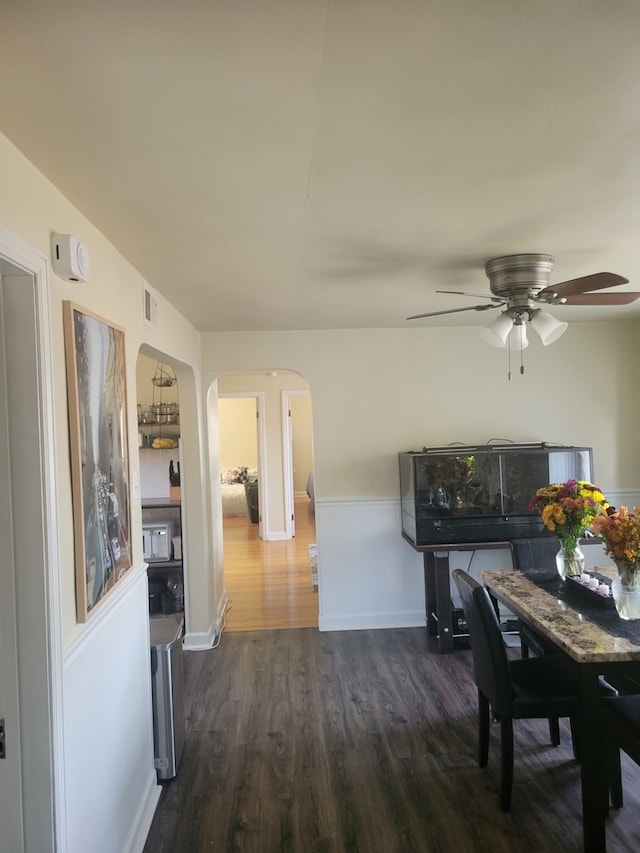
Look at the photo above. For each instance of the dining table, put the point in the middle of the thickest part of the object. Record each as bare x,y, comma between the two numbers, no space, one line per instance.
583,624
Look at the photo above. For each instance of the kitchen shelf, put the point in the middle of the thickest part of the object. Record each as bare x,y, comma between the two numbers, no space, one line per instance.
163,565
166,577
151,431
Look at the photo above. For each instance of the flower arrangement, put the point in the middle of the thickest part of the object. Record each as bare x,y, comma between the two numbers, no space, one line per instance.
620,531
569,509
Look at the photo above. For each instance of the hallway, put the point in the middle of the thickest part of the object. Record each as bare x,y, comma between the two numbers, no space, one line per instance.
269,583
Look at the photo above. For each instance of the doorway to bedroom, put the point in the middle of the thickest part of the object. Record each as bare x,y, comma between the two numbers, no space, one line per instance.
265,449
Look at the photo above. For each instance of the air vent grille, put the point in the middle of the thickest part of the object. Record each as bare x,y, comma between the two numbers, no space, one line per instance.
150,305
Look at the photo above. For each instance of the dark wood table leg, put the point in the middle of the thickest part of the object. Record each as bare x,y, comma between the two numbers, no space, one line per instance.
430,593
593,766
437,585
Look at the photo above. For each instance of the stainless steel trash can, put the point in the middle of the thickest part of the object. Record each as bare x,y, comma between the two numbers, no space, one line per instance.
167,693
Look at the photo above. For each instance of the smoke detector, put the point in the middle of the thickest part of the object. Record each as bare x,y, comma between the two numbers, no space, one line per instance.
69,257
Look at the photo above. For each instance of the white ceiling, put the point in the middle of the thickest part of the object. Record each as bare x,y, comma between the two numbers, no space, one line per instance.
298,164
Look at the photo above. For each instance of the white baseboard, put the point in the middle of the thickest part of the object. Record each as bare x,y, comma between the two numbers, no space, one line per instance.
140,829
371,621
276,536
198,641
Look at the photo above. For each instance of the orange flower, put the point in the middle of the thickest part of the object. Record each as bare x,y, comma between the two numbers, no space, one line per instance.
621,534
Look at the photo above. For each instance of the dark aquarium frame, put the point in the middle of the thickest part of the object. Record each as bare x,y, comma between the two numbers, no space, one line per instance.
480,493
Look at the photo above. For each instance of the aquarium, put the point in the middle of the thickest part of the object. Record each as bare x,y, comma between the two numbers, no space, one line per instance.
481,493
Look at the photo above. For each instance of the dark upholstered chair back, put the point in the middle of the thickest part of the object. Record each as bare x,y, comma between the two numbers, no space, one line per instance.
538,553
490,662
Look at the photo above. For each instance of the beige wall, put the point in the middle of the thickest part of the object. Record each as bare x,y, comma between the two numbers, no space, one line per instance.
376,392
238,432
32,208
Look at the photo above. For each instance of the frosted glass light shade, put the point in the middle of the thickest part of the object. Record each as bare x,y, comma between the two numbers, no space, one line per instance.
497,332
518,338
547,327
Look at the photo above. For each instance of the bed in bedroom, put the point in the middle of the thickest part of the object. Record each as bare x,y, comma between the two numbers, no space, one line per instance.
234,492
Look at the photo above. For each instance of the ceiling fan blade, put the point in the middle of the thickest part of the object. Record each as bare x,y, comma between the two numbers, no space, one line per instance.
602,298
584,284
451,311
475,295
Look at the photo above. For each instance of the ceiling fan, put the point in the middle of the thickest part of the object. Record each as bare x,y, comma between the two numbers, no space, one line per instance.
520,284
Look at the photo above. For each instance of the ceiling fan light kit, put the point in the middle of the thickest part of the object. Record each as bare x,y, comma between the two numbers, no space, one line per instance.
506,328
518,338
547,327
520,284
497,331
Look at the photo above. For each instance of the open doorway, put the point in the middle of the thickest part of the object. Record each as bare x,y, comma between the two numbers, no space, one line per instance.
242,443
159,446
267,570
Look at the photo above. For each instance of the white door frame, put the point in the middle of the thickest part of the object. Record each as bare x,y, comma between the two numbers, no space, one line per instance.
263,517
287,459
33,498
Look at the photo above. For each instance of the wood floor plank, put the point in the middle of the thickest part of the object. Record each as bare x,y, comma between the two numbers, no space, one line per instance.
269,582
351,741
361,741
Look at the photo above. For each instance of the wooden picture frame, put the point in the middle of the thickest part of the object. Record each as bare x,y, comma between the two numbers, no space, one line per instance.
97,399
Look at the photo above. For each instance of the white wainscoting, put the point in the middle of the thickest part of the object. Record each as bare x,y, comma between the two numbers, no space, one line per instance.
622,497
370,577
111,787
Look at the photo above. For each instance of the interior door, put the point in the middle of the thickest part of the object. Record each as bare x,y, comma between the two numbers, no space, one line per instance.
289,467
32,816
11,806
297,449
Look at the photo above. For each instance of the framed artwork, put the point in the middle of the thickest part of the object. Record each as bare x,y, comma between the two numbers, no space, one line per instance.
96,390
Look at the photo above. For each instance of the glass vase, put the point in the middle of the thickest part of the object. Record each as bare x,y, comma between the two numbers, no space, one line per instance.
569,561
625,590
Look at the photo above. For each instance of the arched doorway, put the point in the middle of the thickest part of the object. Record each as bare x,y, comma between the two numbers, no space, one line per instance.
266,562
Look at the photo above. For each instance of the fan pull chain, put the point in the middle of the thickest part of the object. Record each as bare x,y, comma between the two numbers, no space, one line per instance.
509,359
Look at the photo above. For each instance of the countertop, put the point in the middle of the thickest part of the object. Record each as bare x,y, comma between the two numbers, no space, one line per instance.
587,631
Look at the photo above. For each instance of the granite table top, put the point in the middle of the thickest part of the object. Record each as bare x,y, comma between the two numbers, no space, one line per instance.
588,630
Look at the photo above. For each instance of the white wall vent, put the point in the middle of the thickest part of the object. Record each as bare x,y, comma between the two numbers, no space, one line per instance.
149,305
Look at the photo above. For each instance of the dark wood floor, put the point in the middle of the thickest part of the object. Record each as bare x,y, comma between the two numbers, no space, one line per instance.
360,741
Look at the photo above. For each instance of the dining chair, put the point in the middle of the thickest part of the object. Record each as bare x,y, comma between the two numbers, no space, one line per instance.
524,688
620,720
527,554
539,553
